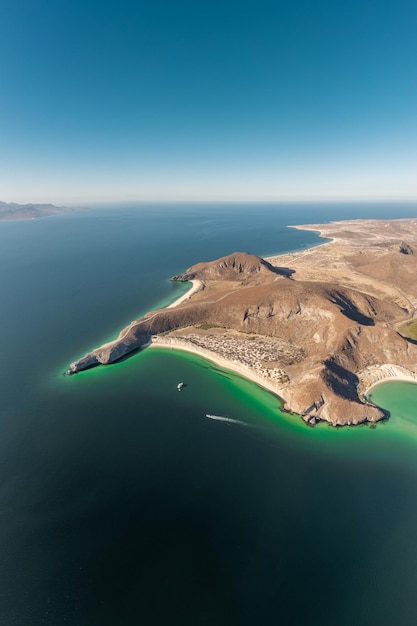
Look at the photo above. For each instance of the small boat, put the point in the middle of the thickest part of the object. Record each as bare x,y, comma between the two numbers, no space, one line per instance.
180,386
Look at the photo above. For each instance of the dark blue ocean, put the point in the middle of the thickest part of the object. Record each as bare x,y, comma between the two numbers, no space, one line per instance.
121,504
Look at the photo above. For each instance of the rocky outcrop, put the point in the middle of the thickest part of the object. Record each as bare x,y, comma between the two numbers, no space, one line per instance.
132,338
405,248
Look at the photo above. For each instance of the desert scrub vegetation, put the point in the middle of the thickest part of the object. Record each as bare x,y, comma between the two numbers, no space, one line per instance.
409,329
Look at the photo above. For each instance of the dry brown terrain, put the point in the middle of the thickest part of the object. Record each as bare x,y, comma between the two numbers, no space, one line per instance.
316,327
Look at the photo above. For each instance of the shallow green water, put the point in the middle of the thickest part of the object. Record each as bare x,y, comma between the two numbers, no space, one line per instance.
400,399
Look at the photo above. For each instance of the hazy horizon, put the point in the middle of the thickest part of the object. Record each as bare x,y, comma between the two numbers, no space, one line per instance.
95,203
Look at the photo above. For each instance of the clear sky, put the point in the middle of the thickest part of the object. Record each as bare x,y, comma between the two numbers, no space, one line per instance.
217,99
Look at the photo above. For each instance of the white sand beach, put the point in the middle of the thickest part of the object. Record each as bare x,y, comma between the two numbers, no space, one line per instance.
173,343
384,374
196,286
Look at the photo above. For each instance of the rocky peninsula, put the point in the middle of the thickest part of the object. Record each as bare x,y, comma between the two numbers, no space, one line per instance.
316,327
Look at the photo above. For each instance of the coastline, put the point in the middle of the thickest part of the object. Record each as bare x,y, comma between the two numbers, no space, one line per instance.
222,362
391,379
361,316
385,374
302,251
196,286
273,258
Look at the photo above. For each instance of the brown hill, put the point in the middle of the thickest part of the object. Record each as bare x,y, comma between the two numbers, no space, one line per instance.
236,266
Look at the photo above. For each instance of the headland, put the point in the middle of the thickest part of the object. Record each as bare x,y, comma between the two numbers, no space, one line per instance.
317,327
15,211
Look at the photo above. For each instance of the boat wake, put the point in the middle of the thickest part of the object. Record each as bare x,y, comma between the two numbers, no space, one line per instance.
228,420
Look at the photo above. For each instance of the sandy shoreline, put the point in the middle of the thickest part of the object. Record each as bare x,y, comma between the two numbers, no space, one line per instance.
300,251
172,343
391,379
242,370
196,286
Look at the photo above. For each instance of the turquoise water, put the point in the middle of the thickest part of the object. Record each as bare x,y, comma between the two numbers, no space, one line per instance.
121,503
400,399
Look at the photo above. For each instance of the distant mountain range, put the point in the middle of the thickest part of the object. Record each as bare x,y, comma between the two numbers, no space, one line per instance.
14,211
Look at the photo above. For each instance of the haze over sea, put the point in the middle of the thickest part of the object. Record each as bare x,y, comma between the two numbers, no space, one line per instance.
121,504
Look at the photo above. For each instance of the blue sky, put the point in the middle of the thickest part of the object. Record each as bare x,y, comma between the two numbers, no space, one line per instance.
186,100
